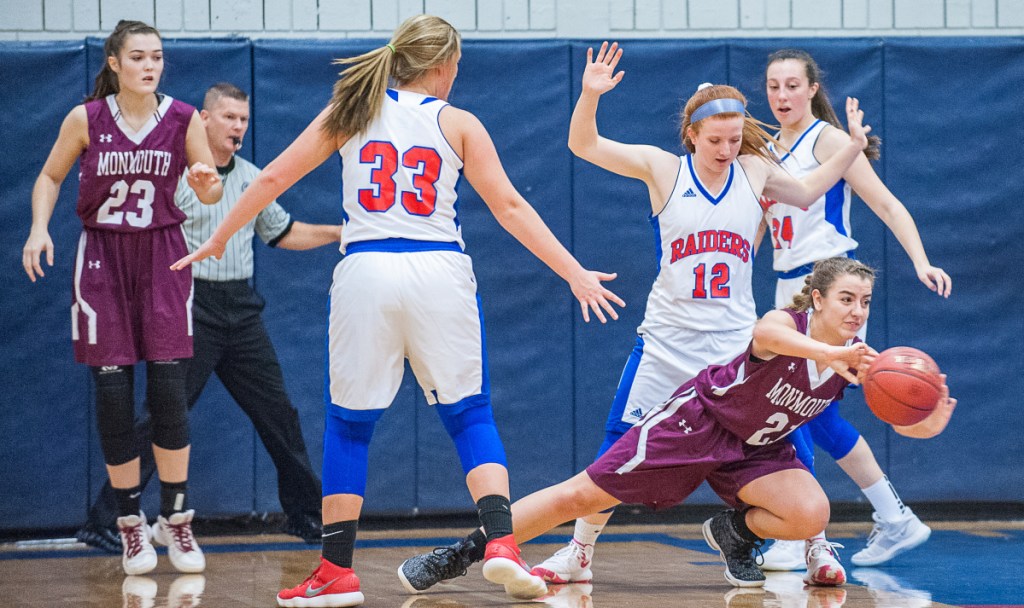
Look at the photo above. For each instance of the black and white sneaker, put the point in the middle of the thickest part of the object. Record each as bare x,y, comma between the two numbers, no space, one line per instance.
738,554
95,535
423,571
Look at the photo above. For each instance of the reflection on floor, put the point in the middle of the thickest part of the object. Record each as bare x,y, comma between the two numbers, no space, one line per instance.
962,565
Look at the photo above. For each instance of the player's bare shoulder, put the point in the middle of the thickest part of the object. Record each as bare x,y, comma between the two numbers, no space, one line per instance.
829,141
758,170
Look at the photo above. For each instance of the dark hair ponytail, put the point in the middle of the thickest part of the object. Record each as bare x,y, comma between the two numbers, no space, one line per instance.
106,79
821,106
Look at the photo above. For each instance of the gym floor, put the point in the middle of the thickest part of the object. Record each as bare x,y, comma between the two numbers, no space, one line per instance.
963,564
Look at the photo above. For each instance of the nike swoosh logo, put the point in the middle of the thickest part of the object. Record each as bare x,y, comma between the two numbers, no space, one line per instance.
311,592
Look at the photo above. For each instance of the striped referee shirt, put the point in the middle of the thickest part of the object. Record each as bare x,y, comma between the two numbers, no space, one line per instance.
272,224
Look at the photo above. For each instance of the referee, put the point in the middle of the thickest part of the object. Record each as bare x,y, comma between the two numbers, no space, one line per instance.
229,336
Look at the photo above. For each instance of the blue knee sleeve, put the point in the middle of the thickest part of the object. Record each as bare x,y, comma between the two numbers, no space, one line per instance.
475,435
346,446
833,433
801,440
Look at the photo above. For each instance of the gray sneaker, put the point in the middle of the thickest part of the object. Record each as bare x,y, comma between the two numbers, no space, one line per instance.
889,539
423,571
738,554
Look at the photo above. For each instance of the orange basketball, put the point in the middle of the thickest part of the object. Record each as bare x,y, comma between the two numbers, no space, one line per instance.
902,386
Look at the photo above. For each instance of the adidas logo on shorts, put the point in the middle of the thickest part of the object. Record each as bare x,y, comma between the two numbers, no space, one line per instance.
637,413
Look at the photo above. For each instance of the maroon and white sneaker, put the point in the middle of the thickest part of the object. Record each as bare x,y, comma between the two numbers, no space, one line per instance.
138,555
823,567
175,533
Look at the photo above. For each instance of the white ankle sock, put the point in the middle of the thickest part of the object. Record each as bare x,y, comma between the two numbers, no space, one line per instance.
586,533
885,500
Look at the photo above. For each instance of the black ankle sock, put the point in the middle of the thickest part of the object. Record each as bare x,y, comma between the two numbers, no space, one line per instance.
479,545
340,542
128,500
172,497
495,515
739,524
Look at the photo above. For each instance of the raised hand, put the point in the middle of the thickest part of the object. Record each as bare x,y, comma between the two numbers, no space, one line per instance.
599,76
202,177
592,295
855,122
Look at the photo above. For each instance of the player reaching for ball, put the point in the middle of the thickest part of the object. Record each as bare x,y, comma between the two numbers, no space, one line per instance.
726,425
812,133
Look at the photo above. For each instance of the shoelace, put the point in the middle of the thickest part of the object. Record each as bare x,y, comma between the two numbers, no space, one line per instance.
876,531
573,549
757,554
133,537
449,565
182,534
818,547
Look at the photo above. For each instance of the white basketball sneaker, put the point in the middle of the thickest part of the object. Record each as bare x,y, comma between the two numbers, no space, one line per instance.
176,534
823,567
138,555
186,591
570,564
785,555
889,539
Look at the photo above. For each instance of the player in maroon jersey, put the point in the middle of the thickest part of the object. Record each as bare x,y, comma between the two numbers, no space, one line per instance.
133,145
725,426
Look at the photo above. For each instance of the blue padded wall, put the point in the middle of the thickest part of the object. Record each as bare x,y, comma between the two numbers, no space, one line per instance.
946,127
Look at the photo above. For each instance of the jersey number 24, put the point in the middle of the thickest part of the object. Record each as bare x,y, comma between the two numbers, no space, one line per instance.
426,166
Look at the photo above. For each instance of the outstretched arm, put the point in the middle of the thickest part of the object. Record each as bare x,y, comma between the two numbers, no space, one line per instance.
936,422
311,148
304,236
889,209
484,171
784,188
775,334
71,142
630,160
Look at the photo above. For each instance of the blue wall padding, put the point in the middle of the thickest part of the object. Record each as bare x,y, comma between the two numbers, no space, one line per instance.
949,131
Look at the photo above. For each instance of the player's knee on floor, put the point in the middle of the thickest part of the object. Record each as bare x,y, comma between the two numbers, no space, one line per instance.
475,435
346,451
833,433
115,412
168,407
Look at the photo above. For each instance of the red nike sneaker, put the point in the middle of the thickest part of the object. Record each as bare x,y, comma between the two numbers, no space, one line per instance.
329,586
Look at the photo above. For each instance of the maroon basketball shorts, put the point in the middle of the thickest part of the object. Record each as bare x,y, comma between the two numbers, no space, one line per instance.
678,445
127,304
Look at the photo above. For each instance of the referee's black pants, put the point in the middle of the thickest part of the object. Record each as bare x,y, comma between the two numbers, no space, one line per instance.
229,339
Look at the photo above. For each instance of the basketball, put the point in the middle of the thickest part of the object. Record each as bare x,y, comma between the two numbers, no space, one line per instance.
902,386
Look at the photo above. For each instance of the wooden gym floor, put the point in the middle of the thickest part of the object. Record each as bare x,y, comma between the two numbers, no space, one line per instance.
974,564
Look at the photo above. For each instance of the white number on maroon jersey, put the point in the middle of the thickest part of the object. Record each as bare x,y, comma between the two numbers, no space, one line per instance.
777,423
110,213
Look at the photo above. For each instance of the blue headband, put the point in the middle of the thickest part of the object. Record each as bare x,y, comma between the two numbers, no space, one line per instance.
717,106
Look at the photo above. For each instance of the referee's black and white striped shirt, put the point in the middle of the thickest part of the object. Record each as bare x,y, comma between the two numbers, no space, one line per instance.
201,220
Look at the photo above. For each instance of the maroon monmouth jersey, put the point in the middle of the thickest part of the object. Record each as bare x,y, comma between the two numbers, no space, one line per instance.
763,401
128,178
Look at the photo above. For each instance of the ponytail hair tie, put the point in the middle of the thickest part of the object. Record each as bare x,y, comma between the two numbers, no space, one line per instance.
392,47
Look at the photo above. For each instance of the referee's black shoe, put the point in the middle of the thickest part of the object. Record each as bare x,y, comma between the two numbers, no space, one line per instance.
307,527
103,538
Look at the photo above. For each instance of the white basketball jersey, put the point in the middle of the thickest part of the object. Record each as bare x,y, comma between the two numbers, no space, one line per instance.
705,258
821,231
399,176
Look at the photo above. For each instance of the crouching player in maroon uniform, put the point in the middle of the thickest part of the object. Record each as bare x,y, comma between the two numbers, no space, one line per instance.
725,427
133,145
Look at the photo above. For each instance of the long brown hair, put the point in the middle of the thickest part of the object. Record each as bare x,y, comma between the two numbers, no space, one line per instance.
420,44
821,106
106,79
824,275
755,137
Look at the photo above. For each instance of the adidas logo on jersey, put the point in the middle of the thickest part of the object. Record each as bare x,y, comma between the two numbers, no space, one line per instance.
637,413
689,192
